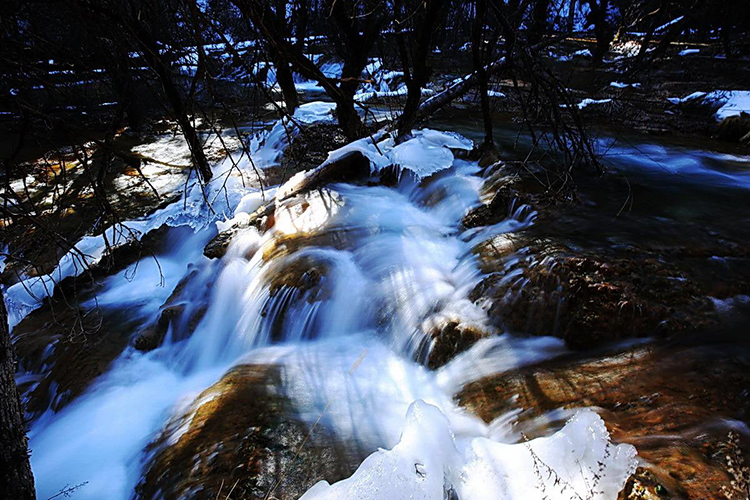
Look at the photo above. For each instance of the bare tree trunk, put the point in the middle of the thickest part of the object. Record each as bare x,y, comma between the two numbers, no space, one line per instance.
17,481
420,74
538,21
479,56
571,16
286,82
172,93
602,30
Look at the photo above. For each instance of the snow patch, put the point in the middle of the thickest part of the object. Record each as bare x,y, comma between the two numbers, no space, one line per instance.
428,463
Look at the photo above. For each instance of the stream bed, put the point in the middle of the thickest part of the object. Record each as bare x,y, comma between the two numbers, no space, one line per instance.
329,318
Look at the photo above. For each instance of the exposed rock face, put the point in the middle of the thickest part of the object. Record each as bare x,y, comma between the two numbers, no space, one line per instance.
310,148
589,300
180,311
217,247
349,167
675,403
65,349
498,209
735,128
560,277
241,435
450,340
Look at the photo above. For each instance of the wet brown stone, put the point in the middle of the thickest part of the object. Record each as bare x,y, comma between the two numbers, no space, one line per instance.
589,300
310,148
673,402
450,340
496,210
241,435
303,274
67,348
180,312
734,128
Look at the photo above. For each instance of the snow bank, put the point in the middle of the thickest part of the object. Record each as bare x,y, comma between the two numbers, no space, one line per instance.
621,85
427,152
428,464
734,102
729,102
687,52
223,194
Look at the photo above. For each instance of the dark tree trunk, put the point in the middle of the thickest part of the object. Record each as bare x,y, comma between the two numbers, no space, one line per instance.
571,16
17,481
538,21
261,15
421,70
284,76
172,93
480,59
286,82
602,30
724,34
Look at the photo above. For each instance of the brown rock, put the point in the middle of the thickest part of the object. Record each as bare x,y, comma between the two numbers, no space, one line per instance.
450,340
67,348
672,402
181,312
242,436
590,300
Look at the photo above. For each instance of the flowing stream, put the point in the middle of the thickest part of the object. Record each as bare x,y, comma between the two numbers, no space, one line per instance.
391,267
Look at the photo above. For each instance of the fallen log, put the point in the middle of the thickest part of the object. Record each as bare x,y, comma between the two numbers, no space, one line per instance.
350,165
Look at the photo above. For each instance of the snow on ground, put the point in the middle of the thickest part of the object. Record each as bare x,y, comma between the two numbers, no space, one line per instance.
734,102
223,193
626,49
687,52
621,85
728,102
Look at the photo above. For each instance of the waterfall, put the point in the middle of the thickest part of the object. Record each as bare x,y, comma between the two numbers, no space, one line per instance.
345,291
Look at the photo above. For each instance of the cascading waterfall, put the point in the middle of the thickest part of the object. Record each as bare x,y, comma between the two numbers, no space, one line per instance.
390,267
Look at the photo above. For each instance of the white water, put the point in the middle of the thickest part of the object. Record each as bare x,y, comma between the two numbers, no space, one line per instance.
400,269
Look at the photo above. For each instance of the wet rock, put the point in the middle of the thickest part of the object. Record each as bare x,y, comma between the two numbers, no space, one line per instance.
293,283
242,435
348,167
674,402
593,299
310,148
643,485
498,209
734,128
303,274
61,349
290,243
153,336
217,247
450,340
182,311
